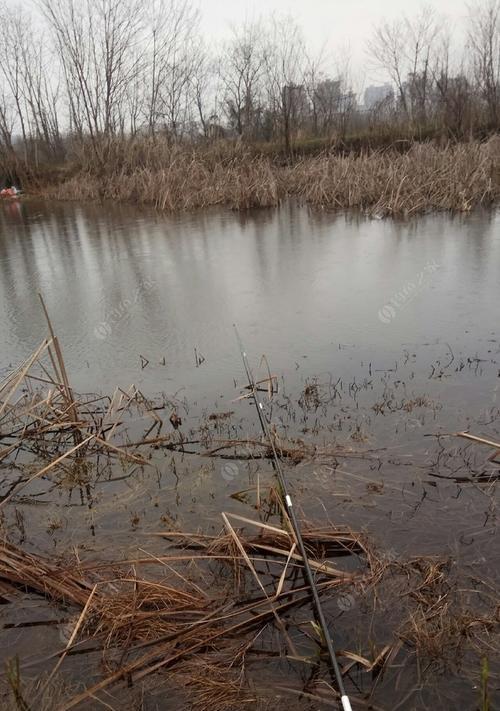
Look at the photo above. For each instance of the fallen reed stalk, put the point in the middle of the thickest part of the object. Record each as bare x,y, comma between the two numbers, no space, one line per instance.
173,616
495,456
187,617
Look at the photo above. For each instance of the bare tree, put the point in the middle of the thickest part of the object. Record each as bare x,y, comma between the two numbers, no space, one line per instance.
6,129
453,100
387,48
34,93
171,36
95,42
285,62
11,66
205,84
404,49
421,34
241,71
318,91
484,44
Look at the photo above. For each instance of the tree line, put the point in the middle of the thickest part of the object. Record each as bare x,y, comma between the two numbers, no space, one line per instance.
76,74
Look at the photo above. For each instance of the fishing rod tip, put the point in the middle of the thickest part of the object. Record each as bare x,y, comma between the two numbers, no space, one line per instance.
346,704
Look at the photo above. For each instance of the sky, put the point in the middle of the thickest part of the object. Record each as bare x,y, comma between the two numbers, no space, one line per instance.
336,24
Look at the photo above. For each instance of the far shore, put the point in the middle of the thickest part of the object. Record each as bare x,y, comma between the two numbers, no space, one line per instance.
384,182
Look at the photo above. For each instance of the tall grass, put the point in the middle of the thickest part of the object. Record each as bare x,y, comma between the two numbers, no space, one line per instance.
177,178
427,177
454,178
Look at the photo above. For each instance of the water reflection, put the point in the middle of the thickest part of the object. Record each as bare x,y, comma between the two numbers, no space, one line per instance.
297,281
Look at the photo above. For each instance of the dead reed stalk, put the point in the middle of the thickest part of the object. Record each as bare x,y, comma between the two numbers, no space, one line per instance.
212,602
164,621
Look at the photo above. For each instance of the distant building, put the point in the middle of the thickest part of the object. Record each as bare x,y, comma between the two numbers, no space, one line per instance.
377,94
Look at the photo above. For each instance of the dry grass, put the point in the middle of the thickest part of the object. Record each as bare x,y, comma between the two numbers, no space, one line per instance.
439,622
201,600
455,178
206,610
382,183
17,694
64,432
218,602
177,178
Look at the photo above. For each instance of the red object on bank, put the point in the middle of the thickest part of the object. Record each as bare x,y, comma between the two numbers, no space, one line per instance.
8,192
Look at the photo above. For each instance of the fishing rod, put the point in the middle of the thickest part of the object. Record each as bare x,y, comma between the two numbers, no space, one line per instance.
346,704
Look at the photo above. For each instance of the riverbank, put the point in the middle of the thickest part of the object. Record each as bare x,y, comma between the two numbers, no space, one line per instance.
381,183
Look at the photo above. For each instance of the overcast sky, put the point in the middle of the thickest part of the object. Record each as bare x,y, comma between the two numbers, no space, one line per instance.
336,23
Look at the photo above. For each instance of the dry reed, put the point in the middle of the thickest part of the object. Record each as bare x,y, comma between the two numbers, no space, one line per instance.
456,178
174,178
147,623
209,600
211,597
42,416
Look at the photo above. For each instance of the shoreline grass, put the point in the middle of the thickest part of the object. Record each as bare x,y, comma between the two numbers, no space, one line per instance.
380,183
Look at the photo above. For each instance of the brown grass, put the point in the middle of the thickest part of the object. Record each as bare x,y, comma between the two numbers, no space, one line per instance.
174,178
456,178
200,601
207,601
438,621
197,609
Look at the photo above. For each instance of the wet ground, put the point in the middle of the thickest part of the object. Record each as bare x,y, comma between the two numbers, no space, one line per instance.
385,340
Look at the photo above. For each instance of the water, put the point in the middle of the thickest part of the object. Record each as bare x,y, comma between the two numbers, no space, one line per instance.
119,282
395,324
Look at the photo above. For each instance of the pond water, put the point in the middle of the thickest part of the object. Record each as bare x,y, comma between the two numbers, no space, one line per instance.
393,326
119,282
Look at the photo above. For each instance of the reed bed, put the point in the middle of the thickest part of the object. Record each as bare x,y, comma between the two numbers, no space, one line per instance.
381,183
456,178
177,178
187,186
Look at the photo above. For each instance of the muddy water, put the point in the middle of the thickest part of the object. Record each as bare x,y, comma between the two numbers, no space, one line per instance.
382,334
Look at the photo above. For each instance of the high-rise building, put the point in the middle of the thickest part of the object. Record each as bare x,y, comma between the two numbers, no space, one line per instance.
376,94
